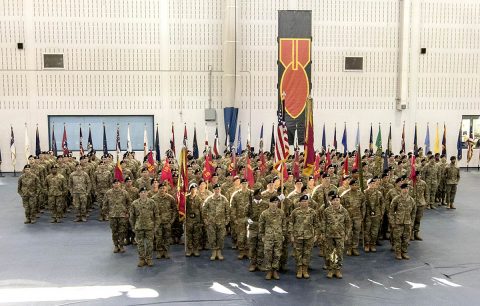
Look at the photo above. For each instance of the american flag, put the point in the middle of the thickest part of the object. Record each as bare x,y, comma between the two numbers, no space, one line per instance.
215,143
281,145
81,142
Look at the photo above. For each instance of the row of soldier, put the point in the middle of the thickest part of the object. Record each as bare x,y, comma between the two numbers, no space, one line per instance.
147,208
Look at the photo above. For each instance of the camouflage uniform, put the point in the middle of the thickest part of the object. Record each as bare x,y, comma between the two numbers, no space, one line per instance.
452,176
272,229
133,195
193,224
335,227
167,212
28,188
303,227
143,214
253,211
430,174
102,182
215,213
80,186
373,216
240,199
57,190
402,214
442,166
117,203
419,193
354,202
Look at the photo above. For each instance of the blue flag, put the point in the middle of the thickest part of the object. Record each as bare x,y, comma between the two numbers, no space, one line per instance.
195,143
272,141
37,143
89,141
239,140
54,142
335,138
105,148
344,140
324,139
370,141
459,144
427,140
157,147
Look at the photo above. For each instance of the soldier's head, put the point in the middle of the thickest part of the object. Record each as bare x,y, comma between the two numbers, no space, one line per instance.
404,188
54,169
244,184
155,183
372,183
143,193
354,185
273,202
335,200
276,182
164,186
116,184
311,181
355,173
236,181
128,181
144,172
214,178
202,185
346,180
217,189
193,188
326,179
331,169
31,159
453,160
78,166
26,168
257,194
304,201
298,184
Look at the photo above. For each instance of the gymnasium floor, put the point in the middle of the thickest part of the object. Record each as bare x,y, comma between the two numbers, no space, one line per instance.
73,263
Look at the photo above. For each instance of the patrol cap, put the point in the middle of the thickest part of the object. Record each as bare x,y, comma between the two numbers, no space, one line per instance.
216,186
274,199
128,179
143,189
257,191
403,186
299,180
304,197
243,180
192,185
353,182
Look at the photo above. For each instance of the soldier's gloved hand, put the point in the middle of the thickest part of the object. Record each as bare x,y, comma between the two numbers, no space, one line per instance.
281,197
249,221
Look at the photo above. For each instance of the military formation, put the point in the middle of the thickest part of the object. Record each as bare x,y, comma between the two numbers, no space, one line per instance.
350,204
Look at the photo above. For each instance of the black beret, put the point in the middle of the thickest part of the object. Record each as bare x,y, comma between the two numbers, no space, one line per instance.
257,191
216,186
128,179
26,167
143,189
274,199
353,182
398,180
403,186
304,197
243,180
299,180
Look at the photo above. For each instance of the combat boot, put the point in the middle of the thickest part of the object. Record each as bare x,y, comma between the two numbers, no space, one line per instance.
417,236
84,219
166,255
252,268
405,256
27,221
53,221
196,253
338,274
330,274
349,252
373,248
398,255
452,207
367,248
141,262
33,220
299,271
214,255
121,249
305,272
149,262
275,275
355,252
219,255
77,219
188,253
240,254
269,275
159,254
115,250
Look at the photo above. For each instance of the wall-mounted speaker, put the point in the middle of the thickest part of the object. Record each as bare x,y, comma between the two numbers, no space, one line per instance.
423,50
20,46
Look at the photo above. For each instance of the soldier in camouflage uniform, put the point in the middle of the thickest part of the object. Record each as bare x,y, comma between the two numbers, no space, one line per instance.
215,213
167,212
79,185
373,216
133,195
354,201
252,213
117,202
143,214
273,229
40,171
28,187
102,181
57,190
335,228
321,191
240,199
193,222
442,166
402,215
452,177
430,173
144,180
303,228
418,192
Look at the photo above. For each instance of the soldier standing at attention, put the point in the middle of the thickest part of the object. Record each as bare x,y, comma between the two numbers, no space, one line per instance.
431,178
335,228
167,212
102,181
303,229
418,192
374,213
143,214
252,212
215,213
28,187
240,200
117,202
57,191
133,195
193,222
452,177
354,201
272,229
401,215
80,186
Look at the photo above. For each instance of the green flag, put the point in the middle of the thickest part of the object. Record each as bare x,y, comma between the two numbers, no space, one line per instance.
378,142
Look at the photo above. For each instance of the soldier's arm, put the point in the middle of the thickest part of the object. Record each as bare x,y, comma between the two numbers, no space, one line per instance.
290,223
227,211
284,225
348,223
261,224
89,183
173,207
132,217
19,186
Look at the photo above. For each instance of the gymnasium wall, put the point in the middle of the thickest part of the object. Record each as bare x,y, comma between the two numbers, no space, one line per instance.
144,57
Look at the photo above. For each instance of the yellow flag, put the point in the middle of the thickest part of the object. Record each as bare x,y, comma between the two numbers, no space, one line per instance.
436,146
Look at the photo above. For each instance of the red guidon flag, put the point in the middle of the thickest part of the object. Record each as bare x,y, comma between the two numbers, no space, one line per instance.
182,183
167,173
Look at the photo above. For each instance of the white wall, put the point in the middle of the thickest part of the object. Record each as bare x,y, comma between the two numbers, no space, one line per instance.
152,57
